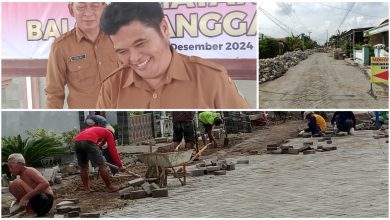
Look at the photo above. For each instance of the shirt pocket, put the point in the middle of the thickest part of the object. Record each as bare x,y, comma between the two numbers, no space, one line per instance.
80,71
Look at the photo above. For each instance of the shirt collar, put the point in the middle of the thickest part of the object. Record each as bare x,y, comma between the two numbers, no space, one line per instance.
176,70
80,35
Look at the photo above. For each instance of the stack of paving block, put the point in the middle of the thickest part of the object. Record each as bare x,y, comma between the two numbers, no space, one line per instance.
215,167
68,208
139,188
307,148
238,123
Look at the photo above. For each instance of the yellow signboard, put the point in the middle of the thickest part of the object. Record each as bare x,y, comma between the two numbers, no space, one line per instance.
379,69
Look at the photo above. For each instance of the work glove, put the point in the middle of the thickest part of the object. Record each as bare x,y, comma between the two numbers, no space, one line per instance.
301,132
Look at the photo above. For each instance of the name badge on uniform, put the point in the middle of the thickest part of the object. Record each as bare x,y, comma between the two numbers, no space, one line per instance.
78,57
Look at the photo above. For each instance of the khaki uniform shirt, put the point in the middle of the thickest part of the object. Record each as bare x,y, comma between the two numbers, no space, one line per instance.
80,64
190,82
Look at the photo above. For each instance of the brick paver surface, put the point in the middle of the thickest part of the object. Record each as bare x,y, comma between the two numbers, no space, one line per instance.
351,181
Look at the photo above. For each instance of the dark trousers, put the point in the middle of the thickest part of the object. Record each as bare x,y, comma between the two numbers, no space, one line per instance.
344,125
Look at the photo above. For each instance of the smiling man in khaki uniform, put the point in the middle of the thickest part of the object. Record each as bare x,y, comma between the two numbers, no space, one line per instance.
154,75
81,59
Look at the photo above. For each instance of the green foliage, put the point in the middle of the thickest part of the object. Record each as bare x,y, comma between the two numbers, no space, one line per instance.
136,113
358,46
347,48
268,48
67,137
293,43
33,150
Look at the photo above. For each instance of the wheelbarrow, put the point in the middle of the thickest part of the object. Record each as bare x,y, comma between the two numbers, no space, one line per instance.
159,163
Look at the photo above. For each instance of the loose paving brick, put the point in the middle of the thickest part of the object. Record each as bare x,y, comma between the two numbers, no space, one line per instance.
212,169
65,203
293,151
146,188
199,165
66,209
220,172
286,147
243,162
230,167
277,151
304,148
75,201
90,215
309,152
329,142
73,214
319,147
163,192
15,209
253,152
308,143
50,174
154,186
197,172
222,164
137,194
136,182
126,190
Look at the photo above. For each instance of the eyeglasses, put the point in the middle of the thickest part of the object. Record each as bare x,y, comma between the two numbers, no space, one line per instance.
82,7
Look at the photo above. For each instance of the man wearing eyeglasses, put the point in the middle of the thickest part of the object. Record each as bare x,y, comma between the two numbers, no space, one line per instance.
81,59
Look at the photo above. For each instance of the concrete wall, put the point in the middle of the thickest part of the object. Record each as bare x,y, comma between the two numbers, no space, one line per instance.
17,122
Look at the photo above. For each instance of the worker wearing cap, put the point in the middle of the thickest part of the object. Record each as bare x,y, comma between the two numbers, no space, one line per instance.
206,122
80,59
316,125
87,149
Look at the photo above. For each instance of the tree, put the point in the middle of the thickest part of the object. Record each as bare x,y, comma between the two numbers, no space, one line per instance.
268,48
294,43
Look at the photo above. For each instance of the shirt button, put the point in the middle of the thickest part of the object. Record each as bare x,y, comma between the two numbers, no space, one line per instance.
154,95
79,67
100,63
95,47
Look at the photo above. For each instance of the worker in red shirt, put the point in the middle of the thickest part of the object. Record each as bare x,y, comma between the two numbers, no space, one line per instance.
87,148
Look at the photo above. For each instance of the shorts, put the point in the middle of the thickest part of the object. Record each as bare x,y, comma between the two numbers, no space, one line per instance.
88,151
42,203
185,129
204,128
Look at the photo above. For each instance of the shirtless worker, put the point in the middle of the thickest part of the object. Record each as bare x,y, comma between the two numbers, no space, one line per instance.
31,189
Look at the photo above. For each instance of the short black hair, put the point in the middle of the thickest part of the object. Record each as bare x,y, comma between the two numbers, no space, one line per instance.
118,14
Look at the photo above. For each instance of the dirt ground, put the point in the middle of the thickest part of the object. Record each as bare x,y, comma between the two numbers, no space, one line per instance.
100,201
321,82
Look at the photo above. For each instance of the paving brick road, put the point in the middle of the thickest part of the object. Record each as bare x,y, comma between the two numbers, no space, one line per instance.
349,182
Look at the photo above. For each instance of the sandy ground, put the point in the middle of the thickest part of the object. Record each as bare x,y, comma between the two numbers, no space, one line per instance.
320,82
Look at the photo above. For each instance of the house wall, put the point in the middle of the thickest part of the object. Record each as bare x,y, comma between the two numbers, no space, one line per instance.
17,122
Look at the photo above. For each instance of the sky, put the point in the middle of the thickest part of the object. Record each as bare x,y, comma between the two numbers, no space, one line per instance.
318,17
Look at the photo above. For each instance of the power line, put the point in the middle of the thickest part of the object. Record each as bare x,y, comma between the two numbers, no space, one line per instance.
348,10
346,15
276,21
